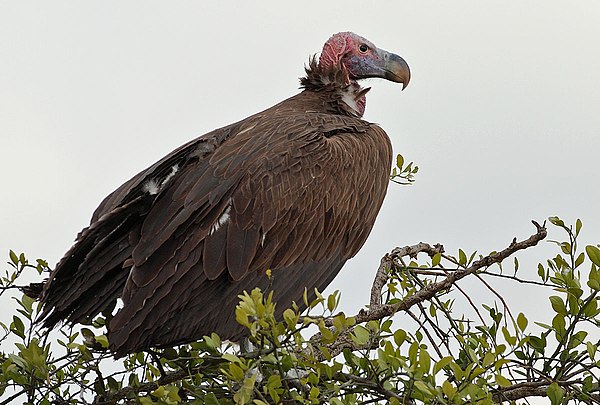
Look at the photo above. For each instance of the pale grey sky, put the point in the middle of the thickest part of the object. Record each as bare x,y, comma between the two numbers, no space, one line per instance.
502,114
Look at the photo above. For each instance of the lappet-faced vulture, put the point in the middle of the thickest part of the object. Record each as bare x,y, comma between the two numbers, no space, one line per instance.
295,189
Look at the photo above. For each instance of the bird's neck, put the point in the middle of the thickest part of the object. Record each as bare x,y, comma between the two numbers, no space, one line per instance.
344,94
355,98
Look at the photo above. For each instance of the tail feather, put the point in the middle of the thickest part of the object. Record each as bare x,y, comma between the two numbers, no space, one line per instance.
91,276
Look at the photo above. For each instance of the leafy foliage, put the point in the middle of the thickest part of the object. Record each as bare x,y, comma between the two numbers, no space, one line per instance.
427,352
403,174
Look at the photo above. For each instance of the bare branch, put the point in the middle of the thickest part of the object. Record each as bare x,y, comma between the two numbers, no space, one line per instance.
388,260
430,290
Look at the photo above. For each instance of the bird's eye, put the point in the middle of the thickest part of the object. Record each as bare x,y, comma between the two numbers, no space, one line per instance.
363,48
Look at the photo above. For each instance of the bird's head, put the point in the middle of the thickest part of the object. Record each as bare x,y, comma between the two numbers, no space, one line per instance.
362,59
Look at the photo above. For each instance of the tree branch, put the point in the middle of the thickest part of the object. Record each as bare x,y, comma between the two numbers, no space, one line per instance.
430,290
379,311
387,263
536,389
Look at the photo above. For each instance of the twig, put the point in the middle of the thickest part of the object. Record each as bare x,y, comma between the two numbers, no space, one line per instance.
500,297
430,290
464,293
387,261
517,279
424,329
344,377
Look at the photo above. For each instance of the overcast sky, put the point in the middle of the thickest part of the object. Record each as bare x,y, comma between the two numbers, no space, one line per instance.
502,114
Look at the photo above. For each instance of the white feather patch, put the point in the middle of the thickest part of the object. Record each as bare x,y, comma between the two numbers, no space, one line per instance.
349,98
246,130
223,219
262,239
152,187
174,170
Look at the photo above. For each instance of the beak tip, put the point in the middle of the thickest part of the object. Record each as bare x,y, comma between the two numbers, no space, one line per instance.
400,70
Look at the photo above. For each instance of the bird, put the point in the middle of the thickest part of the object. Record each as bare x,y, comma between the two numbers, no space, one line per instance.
279,200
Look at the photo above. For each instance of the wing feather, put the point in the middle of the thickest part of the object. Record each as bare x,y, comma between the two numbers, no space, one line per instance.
288,190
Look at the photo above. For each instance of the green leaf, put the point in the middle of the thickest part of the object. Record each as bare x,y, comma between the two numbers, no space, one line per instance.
17,327
577,226
399,337
591,349
522,322
541,271
502,381
558,305
290,317
432,310
435,261
443,362
577,339
457,371
274,381
538,344
360,335
500,363
488,359
424,361
462,257
332,302
556,221
103,340
326,333
413,350
558,323
232,358
594,278
555,393
399,161
236,372
241,316
448,389
511,340
594,254
13,257
421,386
579,259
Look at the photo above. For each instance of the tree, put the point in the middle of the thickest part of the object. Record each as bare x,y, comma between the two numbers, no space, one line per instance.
408,345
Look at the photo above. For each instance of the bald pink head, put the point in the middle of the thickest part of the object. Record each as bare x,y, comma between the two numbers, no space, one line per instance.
362,59
339,46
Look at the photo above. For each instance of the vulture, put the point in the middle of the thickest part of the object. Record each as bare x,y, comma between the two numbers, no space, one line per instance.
294,189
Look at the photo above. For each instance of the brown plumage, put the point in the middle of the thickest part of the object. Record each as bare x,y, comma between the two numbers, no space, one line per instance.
295,188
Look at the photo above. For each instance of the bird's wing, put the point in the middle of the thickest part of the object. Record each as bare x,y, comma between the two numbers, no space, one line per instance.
92,274
297,195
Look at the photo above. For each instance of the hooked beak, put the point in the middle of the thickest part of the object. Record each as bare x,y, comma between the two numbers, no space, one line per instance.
395,68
